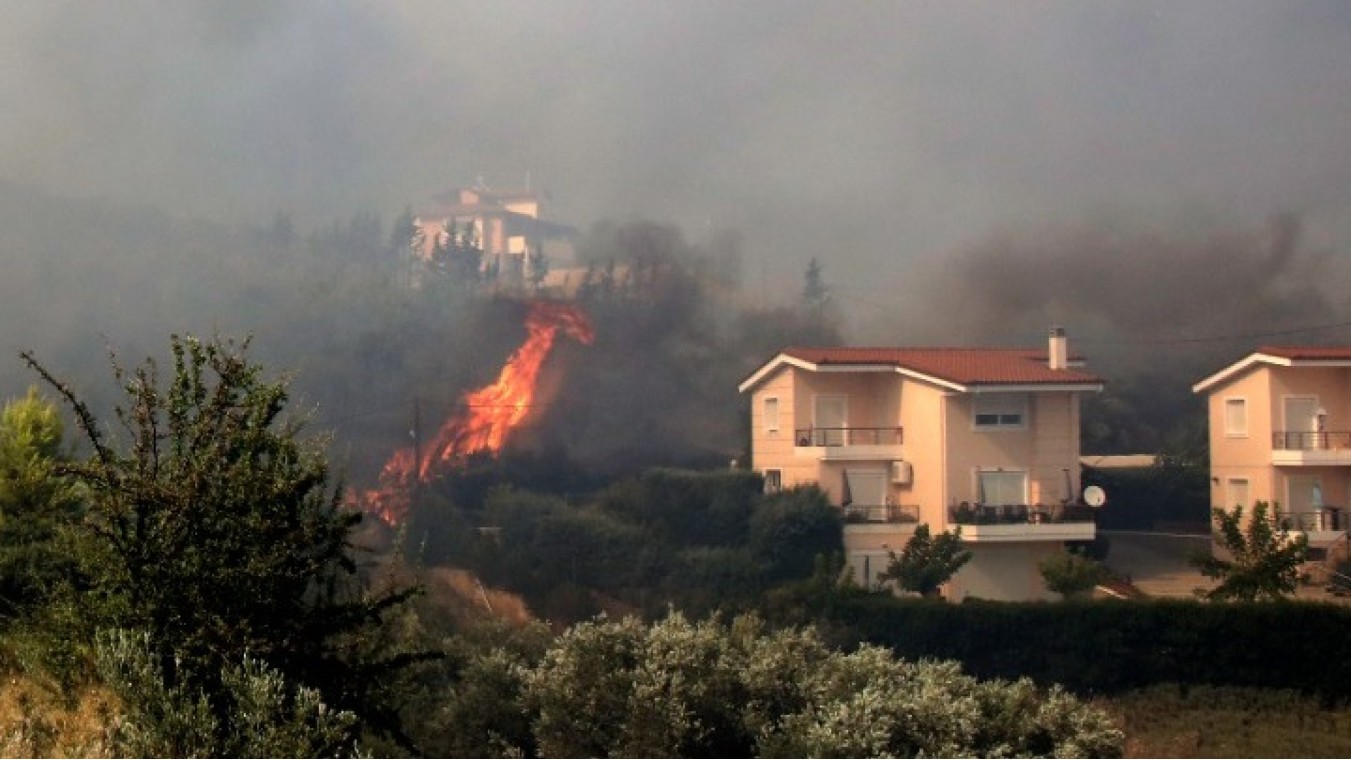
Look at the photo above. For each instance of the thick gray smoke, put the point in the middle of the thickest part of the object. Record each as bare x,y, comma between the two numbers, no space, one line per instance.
864,134
1133,286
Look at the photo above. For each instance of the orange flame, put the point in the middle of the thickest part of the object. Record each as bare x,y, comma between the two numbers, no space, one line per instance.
487,417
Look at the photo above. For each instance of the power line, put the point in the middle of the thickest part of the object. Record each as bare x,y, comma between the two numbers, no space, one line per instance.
1216,338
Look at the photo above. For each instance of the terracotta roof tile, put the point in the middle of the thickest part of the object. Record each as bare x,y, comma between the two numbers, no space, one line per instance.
1307,352
964,366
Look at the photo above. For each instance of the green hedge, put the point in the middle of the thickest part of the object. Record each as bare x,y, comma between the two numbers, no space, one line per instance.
1113,646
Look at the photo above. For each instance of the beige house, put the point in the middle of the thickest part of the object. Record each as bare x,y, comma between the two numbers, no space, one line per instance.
507,224
1280,432
984,439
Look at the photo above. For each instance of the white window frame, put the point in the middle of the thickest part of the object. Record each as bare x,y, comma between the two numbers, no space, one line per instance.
1230,429
1231,490
1027,484
770,412
1003,411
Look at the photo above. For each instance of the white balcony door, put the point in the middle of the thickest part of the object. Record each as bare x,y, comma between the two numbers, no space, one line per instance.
830,418
867,487
1301,416
1305,495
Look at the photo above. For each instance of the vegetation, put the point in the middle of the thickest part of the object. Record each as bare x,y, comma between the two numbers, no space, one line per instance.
1263,558
190,586
1072,575
1203,721
1093,646
35,500
212,534
699,541
679,688
926,562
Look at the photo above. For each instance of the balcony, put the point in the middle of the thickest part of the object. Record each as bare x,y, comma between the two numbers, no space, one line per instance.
1321,526
1305,448
881,513
1023,522
849,443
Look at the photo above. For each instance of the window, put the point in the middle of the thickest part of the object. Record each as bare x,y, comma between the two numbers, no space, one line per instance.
771,415
1236,416
831,414
1238,493
773,481
996,411
1002,487
864,488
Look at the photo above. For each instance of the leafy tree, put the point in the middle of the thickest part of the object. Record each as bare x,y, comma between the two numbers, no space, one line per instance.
1072,575
35,500
1264,558
789,529
926,563
213,530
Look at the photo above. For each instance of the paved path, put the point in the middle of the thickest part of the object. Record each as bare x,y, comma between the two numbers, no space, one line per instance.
1157,563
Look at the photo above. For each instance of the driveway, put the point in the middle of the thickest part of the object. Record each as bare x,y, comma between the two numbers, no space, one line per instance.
1156,563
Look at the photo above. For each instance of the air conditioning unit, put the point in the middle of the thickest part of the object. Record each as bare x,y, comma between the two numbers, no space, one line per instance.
902,473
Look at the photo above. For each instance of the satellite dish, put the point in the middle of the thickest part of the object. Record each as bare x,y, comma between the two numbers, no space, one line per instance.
1094,496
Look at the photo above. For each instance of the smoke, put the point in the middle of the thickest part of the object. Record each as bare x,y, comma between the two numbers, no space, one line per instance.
864,134
958,170
1132,283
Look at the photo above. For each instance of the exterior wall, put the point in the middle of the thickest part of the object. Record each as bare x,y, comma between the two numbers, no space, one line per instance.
1045,448
1055,448
525,207
923,413
1245,456
1330,385
777,451
1007,572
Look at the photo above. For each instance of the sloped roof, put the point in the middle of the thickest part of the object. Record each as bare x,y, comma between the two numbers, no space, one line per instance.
959,368
1280,356
1307,352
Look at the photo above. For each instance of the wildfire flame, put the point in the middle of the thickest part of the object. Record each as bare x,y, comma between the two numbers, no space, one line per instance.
486,417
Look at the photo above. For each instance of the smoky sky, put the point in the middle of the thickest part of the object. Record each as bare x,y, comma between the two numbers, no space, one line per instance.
869,135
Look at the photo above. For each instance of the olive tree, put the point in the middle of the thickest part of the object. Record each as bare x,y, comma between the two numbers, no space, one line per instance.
676,688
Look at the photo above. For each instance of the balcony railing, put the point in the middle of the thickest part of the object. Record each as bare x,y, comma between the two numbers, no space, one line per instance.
881,513
850,436
1305,441
1019,514
1327,518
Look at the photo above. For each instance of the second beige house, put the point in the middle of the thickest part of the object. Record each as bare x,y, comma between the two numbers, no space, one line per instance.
1279,422
982,438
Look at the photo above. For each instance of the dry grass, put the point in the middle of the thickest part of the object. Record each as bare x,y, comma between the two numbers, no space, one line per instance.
35,721
458,594
1167,721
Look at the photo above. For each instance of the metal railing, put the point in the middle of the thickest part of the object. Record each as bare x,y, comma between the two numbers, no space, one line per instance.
1327,518
881,513
1306,441
849,436
1019,514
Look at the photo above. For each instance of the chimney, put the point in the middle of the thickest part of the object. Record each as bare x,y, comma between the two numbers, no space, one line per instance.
1058,352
